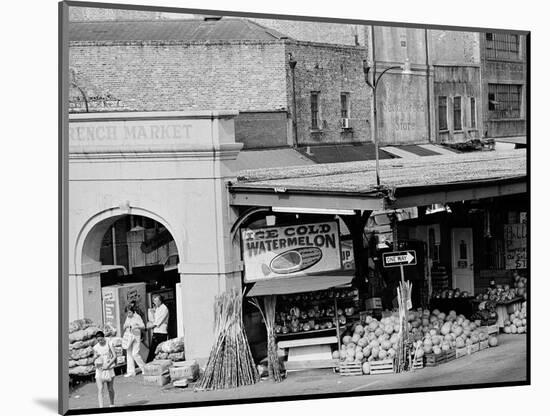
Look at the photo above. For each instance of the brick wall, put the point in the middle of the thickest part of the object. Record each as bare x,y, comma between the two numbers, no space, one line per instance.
163,76
81,14
453,81
262,130
330,70
321,32
451,47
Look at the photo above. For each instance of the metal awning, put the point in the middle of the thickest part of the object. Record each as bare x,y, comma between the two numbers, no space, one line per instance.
405,183
300,284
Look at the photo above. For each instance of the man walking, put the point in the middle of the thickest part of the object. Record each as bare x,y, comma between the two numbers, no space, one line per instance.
159,325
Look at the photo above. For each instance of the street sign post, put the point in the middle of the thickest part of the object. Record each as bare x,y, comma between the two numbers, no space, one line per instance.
399,259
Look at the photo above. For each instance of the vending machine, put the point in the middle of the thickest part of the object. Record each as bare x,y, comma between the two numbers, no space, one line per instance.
117,297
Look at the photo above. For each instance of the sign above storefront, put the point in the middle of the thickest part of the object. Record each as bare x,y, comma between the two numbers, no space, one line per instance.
399,258
163,131
515,246
276,252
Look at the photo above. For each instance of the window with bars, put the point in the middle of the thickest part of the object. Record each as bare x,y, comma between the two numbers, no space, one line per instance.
473,112
457,113
442,111
504,101
502,46
344,105
315,110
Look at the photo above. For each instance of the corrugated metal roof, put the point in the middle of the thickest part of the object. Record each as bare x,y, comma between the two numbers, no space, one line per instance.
271,158
342,153
395,173
189,30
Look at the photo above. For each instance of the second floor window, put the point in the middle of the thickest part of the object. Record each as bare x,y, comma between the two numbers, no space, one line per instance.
344,105
315,110
442,111
473,112
457,113
504,101
502,46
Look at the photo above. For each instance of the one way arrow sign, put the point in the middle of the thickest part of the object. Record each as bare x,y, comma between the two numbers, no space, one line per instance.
399,258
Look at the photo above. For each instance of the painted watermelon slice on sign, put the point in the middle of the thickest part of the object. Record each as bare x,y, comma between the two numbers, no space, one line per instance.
296,260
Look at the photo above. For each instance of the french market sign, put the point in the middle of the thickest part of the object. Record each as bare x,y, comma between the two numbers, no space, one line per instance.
292,250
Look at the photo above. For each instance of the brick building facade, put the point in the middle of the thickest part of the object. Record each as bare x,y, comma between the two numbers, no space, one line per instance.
504,83
245,64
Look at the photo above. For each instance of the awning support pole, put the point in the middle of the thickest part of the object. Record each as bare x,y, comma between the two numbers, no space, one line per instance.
356,225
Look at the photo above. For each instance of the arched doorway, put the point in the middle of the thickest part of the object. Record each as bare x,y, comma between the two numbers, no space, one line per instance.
122,258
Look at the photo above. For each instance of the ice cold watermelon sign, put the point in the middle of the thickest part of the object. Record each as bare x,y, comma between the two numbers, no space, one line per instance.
289,251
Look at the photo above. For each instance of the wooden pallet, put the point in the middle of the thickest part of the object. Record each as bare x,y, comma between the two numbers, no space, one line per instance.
483,344
381,367
350,369
431,359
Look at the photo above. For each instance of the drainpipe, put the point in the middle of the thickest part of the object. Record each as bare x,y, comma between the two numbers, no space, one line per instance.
428,86
292,62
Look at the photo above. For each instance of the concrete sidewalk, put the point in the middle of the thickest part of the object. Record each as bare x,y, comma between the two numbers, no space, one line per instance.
505,363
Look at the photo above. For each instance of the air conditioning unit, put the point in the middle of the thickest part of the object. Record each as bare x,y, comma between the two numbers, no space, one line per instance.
345,123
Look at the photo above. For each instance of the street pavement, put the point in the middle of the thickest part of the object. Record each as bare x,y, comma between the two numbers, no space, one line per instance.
505,363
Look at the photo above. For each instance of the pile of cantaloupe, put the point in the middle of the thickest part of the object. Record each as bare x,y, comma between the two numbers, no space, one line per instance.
517,321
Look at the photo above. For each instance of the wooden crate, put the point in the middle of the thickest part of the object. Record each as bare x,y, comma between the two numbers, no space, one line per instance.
381,367
431,359
473,348
160,380
492,329
451,355
350,369
418,363
461,352
483,344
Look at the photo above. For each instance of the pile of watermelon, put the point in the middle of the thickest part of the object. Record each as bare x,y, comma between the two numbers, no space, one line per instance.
371,340
438,332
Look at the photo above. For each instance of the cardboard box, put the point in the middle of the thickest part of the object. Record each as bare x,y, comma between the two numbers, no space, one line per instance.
160,380
373,303
157,368
184,369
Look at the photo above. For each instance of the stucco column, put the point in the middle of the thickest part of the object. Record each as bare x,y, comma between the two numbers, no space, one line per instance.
85,297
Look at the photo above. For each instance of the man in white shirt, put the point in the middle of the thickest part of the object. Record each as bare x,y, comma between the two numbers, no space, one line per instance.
159,326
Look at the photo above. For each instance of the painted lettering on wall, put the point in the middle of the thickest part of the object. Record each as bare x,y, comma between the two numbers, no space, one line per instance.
133,133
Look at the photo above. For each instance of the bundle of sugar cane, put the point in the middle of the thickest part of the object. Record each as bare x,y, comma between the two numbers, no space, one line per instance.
230,363
268,315
403,297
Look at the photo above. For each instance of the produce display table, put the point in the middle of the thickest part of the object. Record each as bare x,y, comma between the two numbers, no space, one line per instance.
503,309
462,306
309,353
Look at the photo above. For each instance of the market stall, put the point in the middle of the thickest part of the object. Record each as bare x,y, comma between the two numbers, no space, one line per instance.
311,310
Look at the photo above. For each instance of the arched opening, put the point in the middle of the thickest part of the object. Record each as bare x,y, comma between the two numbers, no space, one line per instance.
126,258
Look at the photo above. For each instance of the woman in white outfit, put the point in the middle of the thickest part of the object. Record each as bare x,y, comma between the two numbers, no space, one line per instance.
134,324
104,358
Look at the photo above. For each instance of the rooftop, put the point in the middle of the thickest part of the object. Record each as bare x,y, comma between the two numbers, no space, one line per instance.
359,177
188,30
